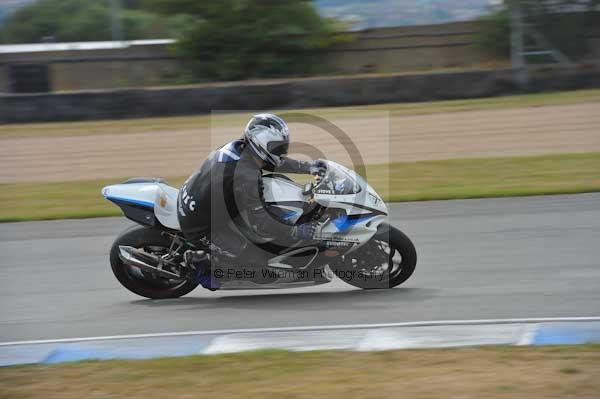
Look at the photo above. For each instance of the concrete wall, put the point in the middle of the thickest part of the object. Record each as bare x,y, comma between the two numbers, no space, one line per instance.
70,76
135,65
295,93
4,86
383,50
409,48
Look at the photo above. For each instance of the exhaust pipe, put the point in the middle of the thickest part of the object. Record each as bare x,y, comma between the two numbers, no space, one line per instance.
134,257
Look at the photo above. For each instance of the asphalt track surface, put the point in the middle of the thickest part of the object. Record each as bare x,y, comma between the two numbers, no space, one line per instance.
478,259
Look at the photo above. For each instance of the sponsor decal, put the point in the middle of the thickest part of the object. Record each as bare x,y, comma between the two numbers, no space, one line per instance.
187,199
374,199
162,200
337,237
337,244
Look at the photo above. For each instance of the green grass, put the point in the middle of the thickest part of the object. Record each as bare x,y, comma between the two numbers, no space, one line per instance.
65,200
415,181
59,129
488,372
488,177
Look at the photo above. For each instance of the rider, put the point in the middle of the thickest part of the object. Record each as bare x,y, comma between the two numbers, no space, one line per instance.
222,201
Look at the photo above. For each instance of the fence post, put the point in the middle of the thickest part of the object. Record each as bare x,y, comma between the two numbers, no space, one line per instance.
519,68
115,20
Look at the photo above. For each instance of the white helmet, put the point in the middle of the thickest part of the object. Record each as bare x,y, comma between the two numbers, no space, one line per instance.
268,137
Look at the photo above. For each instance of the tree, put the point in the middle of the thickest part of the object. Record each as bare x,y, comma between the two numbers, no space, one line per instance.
238,39
78,20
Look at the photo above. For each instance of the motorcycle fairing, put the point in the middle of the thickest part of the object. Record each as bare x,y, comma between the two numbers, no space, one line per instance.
357,208
146,202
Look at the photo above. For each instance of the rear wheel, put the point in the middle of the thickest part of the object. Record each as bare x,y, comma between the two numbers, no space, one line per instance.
141,282
386,261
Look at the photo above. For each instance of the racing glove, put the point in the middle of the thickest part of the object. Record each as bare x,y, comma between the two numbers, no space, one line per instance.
304,231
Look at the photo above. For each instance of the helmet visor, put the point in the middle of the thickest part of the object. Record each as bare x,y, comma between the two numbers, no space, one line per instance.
279,148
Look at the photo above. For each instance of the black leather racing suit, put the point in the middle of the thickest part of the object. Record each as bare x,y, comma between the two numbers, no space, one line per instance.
223,201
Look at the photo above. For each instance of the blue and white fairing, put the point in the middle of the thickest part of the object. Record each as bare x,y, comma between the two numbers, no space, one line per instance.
356,209
360,210
146,201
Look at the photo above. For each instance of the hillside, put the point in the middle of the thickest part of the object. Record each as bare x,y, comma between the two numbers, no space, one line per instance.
372,13
377,13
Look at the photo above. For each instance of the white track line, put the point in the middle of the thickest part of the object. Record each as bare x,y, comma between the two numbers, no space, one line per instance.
528,335
311,328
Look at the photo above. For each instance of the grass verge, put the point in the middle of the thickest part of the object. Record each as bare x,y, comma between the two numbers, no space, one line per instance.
489,372
415,181
60,129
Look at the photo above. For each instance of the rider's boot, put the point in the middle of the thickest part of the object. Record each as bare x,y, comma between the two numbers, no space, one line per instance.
200,262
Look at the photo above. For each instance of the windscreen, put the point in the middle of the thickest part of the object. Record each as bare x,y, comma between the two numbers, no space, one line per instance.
339,181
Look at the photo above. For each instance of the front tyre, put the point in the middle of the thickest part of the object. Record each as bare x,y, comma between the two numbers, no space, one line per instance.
386,261
138,281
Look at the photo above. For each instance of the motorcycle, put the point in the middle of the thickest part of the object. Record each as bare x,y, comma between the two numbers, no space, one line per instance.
353,241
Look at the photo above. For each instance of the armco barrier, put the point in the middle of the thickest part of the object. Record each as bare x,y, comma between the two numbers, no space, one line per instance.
374,337
283,94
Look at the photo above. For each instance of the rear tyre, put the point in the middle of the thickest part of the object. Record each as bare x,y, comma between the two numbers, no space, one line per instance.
388,260
140,282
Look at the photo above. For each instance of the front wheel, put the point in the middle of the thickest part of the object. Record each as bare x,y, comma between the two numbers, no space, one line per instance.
386,261
138,281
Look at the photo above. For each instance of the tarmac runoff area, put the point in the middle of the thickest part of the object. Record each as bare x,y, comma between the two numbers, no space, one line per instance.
509,258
